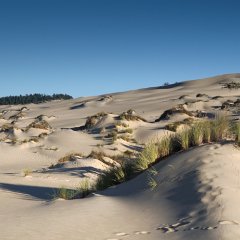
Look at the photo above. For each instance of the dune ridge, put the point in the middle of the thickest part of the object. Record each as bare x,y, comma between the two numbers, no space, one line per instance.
196,193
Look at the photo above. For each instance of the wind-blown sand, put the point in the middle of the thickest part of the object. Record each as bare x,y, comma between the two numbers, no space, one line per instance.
198,191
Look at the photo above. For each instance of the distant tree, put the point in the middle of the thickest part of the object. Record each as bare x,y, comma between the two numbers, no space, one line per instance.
32,98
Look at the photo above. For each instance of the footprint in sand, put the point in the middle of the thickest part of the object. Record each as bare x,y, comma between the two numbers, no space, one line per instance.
121,234
141,232
225,222
201,228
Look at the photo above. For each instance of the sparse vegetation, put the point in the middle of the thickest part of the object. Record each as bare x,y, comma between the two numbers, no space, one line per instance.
149,155
27,172
93,120
111,177
69,157
196,134
131,116
113,135
176,110
80,191
184,139
39,124
128,130
231,85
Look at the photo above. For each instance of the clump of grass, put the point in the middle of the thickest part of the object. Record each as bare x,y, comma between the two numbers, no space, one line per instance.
102,130
184,138
164,146
81,191
128,130
232,85
113,176
121,124
97,154
149,155
152,183
168,113
219,127
27,172
84,188
93,120
42,135
39,124
66,193
236,131
6,127
69,157
100,155
113,135
126,138
131,116
197,134
206,128
128,153
152,172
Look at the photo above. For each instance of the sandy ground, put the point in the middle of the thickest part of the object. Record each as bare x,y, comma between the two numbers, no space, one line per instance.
197,194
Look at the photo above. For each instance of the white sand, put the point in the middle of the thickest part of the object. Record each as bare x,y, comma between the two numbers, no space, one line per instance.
197,195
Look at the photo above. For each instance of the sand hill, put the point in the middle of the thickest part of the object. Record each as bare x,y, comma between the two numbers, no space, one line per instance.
48,146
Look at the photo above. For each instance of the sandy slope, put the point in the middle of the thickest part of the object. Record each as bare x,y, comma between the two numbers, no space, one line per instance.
197,194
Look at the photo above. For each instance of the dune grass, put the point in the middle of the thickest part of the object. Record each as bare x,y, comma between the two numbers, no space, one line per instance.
184,139
81,191
149,155
236,130
113,176
200,132
27,172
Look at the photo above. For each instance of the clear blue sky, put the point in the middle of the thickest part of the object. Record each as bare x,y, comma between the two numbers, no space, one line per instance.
89,47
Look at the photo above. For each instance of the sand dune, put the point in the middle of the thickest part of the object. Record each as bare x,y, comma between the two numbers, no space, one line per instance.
197,191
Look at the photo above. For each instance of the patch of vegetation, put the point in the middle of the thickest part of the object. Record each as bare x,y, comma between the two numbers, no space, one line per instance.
111,177
113,135
176,125
202,95
149,155
216,130
81,191
27,172
217,97
130,115
7,127
232,85
121,124
168,113
69,157
94,119
32,98
40,125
